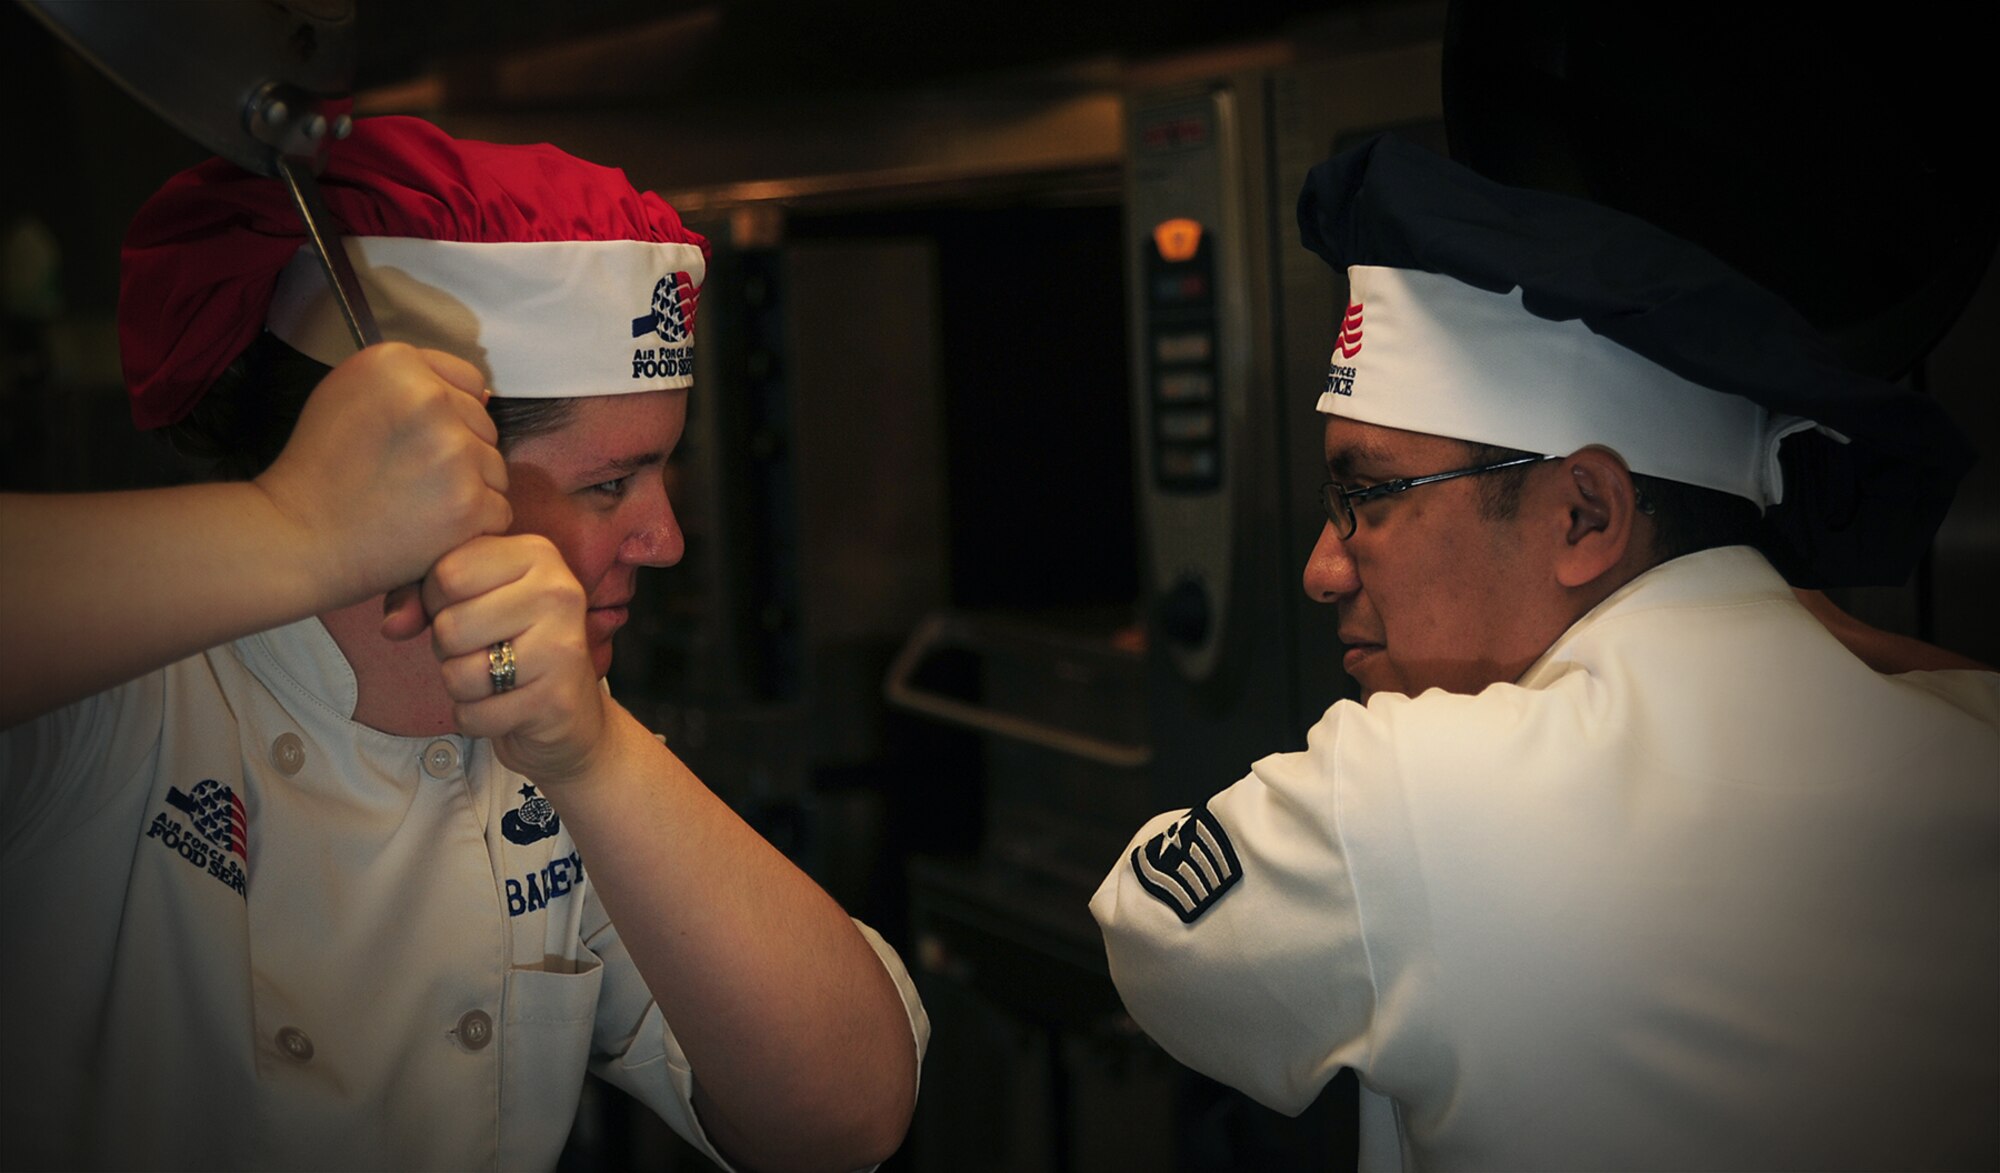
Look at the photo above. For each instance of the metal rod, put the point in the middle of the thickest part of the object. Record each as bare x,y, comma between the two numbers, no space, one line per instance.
935,632
332,254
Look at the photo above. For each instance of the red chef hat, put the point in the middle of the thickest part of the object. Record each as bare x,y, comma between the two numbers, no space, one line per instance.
554,276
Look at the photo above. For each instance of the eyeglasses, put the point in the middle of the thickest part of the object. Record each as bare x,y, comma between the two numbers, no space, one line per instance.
1340,502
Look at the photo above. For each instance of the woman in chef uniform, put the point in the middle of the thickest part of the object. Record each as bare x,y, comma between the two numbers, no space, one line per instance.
295,876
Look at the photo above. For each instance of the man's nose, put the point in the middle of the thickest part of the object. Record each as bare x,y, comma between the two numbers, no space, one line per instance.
1330,570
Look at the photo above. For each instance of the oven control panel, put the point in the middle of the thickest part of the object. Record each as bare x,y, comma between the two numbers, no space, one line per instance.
1187,244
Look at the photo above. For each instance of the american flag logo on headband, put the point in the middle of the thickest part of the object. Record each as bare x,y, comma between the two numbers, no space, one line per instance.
1349,341
673,311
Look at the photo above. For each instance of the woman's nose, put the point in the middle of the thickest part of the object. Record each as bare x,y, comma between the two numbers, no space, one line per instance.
657,540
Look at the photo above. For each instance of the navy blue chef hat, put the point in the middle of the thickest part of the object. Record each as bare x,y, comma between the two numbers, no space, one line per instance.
1858,512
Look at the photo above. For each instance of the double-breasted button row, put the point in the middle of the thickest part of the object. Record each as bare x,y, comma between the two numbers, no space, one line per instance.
288,753
473,1032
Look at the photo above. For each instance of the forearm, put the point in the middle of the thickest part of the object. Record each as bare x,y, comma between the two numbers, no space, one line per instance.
100,588
800,1044
1890,654
1884,651
391,464
802,1051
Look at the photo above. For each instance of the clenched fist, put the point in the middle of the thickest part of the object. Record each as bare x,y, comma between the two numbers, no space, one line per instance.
518,589
392,464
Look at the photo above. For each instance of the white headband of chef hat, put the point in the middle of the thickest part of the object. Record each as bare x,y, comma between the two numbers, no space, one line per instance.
1428,353
541,319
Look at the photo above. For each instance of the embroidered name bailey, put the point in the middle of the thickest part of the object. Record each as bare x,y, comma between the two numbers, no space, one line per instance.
536,889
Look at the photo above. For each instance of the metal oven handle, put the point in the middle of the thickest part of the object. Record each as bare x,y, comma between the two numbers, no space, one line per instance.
939,631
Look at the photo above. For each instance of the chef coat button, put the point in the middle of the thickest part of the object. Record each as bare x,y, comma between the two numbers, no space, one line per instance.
294,1043
288,753
475,1030
440,759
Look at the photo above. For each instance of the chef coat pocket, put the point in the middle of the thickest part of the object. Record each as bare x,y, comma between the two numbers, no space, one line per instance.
545,1050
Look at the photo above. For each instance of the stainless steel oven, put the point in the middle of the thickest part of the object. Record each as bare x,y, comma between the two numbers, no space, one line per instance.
981,573
999,484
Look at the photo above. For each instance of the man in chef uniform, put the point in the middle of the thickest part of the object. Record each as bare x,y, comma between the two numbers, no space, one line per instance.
1624,859
287,887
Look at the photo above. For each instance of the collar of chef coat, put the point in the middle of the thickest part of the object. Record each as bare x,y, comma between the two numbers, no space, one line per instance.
1735,573
304,654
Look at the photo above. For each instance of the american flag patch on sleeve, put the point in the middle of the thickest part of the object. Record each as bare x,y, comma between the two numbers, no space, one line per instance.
1188,866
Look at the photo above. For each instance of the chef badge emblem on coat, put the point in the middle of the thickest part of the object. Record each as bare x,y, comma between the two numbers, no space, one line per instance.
1188,866
536,820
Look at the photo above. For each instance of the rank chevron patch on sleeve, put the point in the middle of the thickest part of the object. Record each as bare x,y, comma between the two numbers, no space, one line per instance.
1188,866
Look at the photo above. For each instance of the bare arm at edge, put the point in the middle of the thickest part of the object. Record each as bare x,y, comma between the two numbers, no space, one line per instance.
391,465
1885,652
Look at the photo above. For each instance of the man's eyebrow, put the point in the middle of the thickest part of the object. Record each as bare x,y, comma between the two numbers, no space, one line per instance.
1347,461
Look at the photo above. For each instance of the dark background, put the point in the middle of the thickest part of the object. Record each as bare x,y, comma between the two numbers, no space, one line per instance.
960,441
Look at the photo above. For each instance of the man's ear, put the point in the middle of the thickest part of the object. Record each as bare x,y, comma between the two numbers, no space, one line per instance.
1601,507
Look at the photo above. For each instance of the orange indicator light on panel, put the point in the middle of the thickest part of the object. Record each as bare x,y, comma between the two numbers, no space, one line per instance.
1177,239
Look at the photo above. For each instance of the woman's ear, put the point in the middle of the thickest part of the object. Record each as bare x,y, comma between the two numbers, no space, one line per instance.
1600,509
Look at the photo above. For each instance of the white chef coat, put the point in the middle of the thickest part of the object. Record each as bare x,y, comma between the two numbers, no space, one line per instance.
1699,891
245,932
